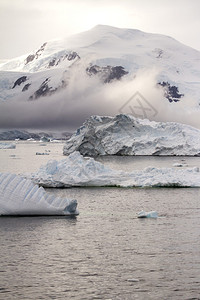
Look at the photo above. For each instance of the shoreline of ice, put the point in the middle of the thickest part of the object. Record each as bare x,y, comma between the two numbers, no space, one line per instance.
78,171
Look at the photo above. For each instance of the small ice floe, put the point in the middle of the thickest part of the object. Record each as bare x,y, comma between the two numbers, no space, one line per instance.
42,153
133,280
150,214
55,141
45,139
181,164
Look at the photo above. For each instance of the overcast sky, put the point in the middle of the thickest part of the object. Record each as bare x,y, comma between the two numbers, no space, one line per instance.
26,24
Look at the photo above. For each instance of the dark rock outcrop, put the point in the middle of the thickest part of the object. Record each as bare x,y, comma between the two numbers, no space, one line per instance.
26,87
46,90
57,60
43,90
19,81
72,55
171,92
107,73
31,57
158,52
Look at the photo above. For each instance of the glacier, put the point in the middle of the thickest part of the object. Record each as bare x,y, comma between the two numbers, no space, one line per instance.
20,196
127,135
77,170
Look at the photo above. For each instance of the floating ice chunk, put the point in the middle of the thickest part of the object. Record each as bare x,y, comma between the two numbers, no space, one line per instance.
177,165
127,135
77,170
41,153
45,139
133,280
19,196
7,146
56,141
150,214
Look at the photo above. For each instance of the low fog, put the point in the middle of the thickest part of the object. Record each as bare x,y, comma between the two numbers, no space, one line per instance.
85,96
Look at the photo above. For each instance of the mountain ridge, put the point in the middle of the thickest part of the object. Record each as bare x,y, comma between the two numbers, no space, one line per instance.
107,54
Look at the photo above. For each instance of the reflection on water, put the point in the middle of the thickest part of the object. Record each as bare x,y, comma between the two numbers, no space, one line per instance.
106,252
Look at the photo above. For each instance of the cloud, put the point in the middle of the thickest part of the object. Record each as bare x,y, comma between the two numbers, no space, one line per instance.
25,27
85,96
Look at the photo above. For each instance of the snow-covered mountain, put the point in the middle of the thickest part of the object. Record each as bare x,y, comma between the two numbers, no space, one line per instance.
127,135
107,53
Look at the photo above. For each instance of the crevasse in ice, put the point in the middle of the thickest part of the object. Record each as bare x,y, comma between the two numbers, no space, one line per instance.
20,196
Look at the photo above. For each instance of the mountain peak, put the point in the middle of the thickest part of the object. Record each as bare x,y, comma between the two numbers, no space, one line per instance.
106,53
115,30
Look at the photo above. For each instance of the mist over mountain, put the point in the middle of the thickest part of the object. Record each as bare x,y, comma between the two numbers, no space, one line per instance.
104,71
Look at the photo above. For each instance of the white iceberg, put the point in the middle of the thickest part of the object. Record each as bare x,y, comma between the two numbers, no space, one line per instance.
7,145
151,214
19,196
127,135
77,170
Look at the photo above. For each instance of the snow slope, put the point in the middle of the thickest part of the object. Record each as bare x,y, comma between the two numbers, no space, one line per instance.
127,135
19,196
99,50
76,170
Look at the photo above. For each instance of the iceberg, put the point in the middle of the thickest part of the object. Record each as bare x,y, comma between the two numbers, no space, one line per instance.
150,214
7,146
127,135
77,170
20,196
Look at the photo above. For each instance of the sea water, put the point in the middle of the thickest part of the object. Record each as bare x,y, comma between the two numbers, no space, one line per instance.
106,252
